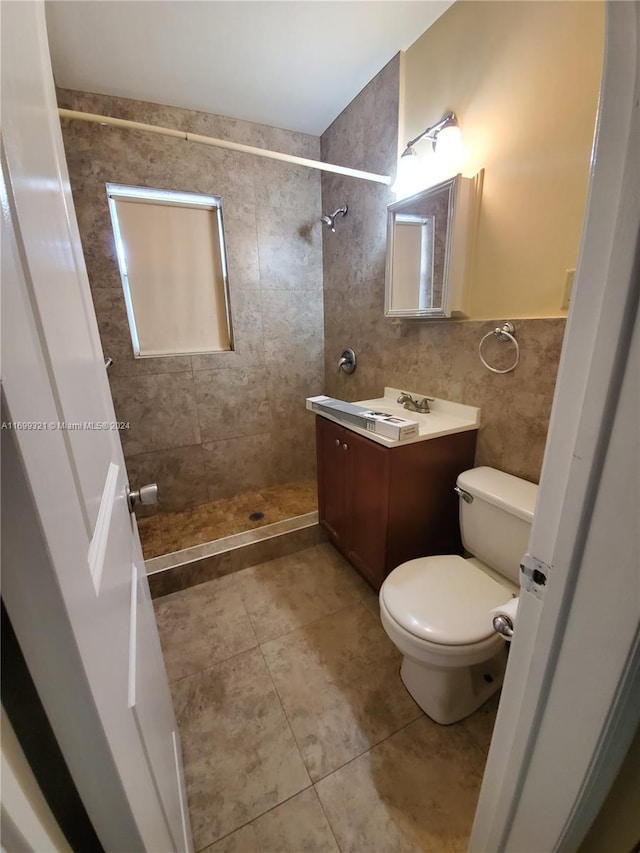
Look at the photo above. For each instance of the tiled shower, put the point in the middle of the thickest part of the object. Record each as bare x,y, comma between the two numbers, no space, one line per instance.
224,435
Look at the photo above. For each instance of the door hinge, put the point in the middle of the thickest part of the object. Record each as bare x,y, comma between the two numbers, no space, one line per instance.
534,575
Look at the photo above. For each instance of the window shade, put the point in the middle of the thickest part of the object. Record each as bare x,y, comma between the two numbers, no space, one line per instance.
174,272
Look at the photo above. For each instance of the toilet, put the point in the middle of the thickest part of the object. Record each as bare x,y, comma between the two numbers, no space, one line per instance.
437,610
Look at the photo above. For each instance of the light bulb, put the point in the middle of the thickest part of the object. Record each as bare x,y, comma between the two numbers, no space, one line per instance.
448,147
407,175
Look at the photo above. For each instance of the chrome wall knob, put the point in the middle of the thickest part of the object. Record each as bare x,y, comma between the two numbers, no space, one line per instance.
145,495
348,362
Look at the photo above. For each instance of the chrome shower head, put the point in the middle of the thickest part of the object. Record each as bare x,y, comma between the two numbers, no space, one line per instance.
329,219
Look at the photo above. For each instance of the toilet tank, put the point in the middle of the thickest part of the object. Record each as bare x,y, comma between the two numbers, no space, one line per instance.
495,525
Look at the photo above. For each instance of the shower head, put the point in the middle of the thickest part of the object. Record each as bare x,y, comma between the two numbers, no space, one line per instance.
329,219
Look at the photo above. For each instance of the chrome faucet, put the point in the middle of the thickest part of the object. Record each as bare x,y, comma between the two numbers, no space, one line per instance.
414,405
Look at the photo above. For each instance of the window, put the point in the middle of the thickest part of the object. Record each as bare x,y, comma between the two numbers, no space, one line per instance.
413,251
171,254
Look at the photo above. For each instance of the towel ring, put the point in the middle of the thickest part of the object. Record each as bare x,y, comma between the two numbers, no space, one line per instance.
505,332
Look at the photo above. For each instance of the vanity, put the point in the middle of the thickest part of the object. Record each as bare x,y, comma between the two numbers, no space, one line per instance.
383,501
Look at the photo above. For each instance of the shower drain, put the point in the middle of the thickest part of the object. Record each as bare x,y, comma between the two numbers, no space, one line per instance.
256,516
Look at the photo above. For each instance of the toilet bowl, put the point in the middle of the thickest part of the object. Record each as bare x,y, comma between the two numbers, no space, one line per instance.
437,610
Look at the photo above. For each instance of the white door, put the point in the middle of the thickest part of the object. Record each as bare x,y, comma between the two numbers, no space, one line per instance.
125,747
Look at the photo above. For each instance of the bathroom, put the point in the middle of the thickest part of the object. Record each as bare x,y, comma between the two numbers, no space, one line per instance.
299,295
276,633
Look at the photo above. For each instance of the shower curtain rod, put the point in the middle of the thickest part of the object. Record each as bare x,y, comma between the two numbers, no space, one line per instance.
223,143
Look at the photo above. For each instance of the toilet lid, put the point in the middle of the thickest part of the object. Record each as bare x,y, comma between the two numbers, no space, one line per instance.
443,599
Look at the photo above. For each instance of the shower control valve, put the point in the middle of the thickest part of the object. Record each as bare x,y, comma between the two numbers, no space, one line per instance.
348,361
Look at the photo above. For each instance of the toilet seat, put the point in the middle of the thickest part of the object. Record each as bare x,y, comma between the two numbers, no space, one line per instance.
443,600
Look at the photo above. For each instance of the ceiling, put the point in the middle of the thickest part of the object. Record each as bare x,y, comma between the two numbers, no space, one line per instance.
294,64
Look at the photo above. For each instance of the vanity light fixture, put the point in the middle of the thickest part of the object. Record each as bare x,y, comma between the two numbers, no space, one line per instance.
446,140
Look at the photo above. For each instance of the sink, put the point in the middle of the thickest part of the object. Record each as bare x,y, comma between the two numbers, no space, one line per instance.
445,417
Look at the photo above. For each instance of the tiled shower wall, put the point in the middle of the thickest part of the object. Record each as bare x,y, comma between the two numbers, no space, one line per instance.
209,426
438,358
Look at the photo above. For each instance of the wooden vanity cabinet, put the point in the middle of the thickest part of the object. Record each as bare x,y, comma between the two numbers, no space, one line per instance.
382,506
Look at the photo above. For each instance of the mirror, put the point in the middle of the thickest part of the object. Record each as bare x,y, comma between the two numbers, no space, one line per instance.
428,243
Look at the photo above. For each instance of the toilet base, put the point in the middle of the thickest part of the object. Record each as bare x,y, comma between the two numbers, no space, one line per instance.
450,694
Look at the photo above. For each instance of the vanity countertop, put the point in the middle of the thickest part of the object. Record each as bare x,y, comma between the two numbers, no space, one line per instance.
445,417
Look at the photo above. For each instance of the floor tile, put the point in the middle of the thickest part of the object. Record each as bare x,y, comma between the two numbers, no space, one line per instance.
339,683
292,591
480,724
368,596
416,791
372,603
296,826
336,559
202,625
240,756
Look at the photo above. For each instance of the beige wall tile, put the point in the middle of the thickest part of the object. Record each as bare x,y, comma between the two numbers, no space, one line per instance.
161,409
231,403
178,472
273,237
251,468
293,451
288,387
289,319
288,224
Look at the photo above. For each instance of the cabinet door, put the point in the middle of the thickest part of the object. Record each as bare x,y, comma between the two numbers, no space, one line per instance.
368,496
333,462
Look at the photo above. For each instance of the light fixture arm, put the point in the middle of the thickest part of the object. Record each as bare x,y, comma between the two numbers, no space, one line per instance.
432,131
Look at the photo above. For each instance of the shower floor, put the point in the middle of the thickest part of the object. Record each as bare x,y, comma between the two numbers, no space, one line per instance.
172,531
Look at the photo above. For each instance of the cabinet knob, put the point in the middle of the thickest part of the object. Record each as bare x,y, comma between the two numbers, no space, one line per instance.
345,446
337,442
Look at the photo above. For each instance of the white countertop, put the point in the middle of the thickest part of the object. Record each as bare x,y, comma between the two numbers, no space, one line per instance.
445,417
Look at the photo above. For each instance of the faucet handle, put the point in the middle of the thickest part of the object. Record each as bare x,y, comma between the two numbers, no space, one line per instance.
348,362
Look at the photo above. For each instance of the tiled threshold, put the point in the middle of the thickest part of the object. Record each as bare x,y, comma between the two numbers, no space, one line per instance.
201,563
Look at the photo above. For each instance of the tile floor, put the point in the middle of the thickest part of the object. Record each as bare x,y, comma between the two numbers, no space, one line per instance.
297,732
166,532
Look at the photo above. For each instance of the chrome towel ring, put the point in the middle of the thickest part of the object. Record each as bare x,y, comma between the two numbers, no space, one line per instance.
506,332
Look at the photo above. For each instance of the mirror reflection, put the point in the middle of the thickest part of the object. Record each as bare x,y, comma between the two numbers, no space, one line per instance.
412,272
427,248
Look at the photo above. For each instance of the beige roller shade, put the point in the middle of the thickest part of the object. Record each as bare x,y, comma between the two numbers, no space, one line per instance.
174,272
